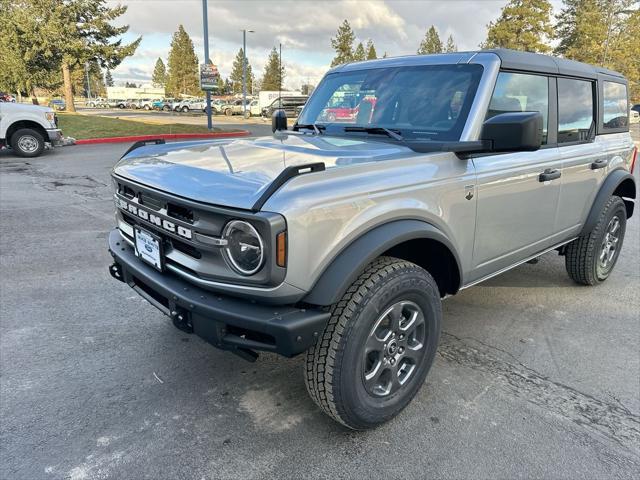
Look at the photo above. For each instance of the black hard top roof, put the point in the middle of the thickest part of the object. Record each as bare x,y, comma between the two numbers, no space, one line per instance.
509,60
535,62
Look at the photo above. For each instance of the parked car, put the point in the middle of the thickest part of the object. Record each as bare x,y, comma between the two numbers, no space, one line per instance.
122,103
254,108
5,97
98,102
58,104
216,106
634,116
192,104
157,104
114,103
288,104
340,241
130,103
147,103
26,129
234,108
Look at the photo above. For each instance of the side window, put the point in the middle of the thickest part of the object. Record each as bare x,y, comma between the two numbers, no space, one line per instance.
616,107
519,92
575,110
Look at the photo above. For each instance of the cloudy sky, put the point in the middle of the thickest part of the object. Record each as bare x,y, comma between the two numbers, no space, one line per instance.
304,27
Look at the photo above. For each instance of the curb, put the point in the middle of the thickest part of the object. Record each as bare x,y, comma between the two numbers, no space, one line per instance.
165,136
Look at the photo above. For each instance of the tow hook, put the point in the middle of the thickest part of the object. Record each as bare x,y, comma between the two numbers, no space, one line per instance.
181,320
116,272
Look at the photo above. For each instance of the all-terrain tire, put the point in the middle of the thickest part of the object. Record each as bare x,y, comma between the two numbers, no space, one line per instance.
335,367
27,142
584,256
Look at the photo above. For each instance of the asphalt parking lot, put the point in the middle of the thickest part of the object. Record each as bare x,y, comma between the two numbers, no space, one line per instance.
536,377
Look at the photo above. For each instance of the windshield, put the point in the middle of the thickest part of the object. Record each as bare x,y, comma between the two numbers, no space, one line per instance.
428,102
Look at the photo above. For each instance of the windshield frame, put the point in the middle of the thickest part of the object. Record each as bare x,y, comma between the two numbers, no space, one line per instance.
476,70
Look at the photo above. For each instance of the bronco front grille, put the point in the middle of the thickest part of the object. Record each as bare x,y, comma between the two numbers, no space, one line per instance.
191,232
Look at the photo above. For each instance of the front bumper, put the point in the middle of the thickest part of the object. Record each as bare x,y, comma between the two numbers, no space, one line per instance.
55,136
225,322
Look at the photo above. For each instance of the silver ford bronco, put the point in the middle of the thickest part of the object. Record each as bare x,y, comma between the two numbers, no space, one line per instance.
403,181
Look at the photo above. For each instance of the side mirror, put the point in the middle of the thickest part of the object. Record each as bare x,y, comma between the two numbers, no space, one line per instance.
278,120
513,132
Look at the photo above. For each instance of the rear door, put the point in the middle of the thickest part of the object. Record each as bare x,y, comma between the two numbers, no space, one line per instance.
518,192
583,159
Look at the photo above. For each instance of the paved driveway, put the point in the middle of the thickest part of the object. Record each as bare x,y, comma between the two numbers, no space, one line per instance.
535,376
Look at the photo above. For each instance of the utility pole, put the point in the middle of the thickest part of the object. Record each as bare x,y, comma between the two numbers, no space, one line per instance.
205,27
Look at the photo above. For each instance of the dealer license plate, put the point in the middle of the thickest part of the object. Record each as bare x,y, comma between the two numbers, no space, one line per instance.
148,247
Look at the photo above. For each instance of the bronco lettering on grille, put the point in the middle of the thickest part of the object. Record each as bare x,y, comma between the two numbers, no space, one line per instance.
154,219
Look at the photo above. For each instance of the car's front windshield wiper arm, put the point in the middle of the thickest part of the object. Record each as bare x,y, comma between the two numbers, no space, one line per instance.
376,130
316,128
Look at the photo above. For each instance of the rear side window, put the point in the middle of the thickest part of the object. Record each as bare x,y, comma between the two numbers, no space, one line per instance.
519,92
575,110
616,108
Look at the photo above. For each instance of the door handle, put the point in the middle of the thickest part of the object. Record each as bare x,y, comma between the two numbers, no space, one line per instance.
602,163
548,175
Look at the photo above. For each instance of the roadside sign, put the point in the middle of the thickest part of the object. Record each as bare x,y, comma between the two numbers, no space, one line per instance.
209,76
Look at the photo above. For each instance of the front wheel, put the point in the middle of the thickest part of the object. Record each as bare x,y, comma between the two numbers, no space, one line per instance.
228,112
590,259
27,142
378,346
184,109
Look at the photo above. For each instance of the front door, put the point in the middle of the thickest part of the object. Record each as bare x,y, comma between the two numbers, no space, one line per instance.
518,192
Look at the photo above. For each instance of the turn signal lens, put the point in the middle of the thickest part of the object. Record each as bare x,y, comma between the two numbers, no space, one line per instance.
281,249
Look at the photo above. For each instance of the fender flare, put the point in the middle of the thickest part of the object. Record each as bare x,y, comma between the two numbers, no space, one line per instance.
609,186
352,260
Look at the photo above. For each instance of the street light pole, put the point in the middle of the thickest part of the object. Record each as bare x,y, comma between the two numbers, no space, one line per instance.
244,71
205,26
86,71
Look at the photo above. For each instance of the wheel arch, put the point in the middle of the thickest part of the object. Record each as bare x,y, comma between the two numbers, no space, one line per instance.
620,183
15,126
412,240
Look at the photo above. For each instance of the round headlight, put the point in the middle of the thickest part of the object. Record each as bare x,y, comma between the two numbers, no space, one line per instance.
244,249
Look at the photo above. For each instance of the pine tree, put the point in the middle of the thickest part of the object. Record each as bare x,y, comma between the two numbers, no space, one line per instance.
272,75
342,43
220,86
371,50
359,54
431,42
159,77
236,73
450,46
602,32
183,74
522,25
42,39
108,79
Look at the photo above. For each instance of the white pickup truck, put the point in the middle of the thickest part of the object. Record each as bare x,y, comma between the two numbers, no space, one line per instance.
27,128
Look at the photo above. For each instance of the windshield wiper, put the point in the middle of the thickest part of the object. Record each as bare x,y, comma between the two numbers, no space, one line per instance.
376,130
316,128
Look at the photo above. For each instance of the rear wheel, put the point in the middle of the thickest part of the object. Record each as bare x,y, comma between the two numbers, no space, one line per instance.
27,142
590,258
184,109
378,346
228,112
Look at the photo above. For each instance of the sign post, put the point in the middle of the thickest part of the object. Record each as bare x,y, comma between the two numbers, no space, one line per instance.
209,81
